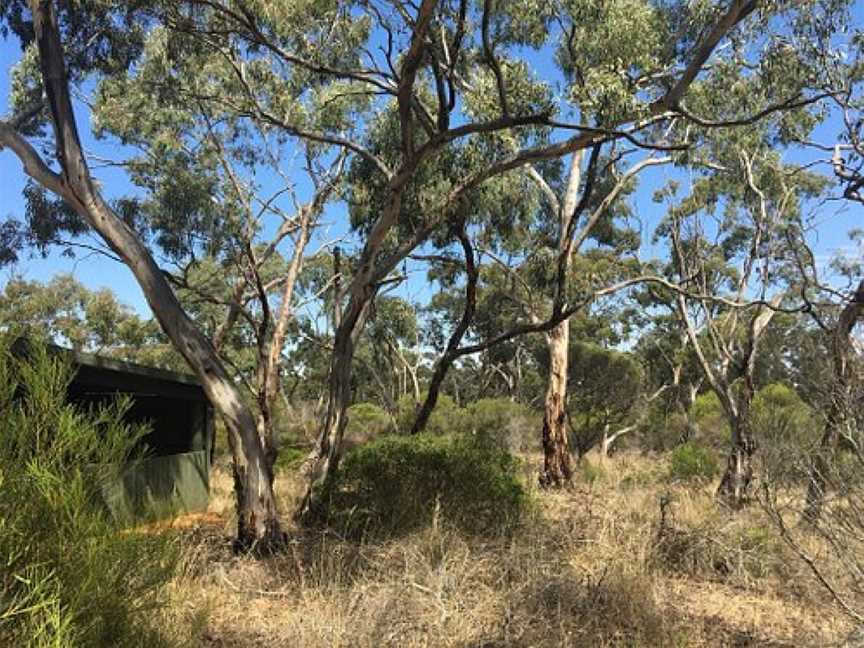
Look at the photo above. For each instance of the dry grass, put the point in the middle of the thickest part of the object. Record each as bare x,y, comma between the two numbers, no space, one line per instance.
588,569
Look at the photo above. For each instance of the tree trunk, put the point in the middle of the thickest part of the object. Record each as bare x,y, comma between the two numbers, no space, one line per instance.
258,529
609,439
557,463
737,480
841,345
271,348
691,427
452,350
323,462
605,443
257,521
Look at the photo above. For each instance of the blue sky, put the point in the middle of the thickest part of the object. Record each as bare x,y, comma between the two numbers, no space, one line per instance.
97,271
94,270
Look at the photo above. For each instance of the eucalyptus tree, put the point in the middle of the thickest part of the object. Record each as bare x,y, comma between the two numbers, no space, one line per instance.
196,203
449,89
734,275
665,351
599,209
438,100
389,355
65,312
452,110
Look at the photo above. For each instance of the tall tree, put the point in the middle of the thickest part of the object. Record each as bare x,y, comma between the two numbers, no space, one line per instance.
732,284
42,27
437,101
65,312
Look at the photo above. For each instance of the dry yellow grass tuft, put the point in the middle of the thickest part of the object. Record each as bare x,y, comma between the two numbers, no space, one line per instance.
591,567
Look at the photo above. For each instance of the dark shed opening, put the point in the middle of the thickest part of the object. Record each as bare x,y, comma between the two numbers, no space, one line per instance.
173,476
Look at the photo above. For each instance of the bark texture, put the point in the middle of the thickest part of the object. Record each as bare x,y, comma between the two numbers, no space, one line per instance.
557,462
735,486
323,462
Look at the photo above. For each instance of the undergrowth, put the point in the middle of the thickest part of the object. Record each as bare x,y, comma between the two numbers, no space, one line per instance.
70,574
395,484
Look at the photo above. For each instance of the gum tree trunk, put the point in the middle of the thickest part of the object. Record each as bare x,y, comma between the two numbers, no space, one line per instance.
557,463
841,402
737,480
324,460
735,487
257,521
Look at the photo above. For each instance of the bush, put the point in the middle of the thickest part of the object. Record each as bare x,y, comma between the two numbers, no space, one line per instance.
70,575
786,427
366,421
503,423
711,421
395,484
661,431
290,458
713,547
692,462
446,418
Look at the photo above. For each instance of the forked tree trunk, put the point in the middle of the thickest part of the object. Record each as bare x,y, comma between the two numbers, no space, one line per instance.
257,521
323,462
557,463
838,414
272,346
685,407
735,487
606,444
609,439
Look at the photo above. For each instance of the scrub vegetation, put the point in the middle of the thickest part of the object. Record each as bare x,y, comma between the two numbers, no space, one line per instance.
524,322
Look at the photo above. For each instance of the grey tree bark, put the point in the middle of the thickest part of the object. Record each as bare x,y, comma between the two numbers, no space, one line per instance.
839,408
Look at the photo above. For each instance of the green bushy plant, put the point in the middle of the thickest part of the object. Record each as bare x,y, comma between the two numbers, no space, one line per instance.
397,483
503,422
709,417
692,462
787,427
70,574
661,431
366,421
446,418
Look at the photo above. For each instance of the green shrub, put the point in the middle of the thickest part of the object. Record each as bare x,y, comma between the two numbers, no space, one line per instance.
70,575
366,421
502,422
395,484
290,458
711,421
661,431
692,462
446,418
786,427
